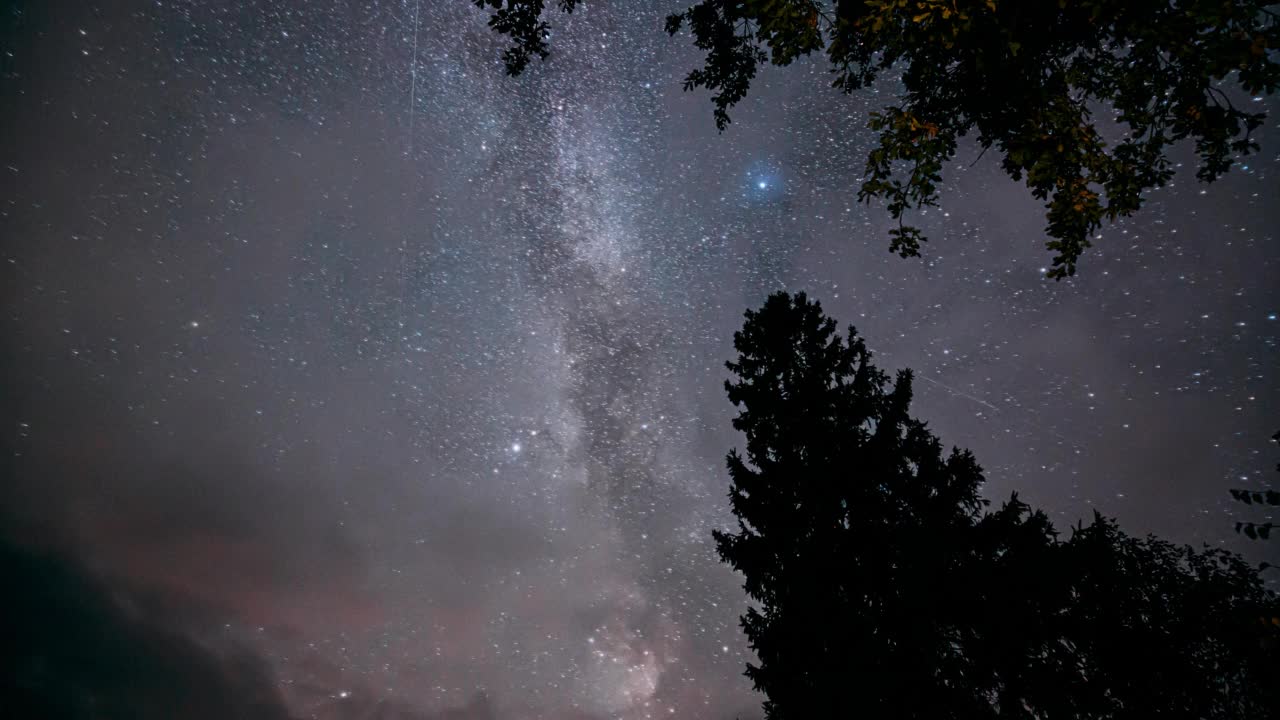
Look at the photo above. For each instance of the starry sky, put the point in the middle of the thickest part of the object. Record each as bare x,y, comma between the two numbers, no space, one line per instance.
347,377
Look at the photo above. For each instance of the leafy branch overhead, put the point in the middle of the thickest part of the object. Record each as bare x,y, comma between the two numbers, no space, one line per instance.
1255,530
521,20
1024,77
1254,497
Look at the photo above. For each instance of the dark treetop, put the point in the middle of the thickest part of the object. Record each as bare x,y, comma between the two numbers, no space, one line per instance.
880,584
1025,77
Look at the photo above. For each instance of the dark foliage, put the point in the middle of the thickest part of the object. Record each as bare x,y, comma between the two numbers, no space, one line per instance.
1024,77
521,20
1255,530
882,586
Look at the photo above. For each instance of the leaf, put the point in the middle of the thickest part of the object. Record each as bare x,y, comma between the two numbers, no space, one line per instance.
1082,57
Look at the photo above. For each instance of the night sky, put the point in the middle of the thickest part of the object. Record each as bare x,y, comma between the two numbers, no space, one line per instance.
347,377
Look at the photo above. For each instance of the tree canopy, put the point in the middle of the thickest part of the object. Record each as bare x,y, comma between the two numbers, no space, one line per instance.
880,583
1082,100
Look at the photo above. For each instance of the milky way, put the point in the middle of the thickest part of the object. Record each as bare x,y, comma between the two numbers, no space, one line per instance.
345,351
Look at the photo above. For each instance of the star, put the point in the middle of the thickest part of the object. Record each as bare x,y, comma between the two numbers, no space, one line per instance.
389,317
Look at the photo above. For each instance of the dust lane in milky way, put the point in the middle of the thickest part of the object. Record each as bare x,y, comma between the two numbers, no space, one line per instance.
334,347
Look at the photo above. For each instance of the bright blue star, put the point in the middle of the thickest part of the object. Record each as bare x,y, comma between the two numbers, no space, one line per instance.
763,183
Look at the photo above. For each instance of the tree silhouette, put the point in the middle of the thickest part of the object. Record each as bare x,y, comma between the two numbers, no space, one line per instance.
1254,530
882,586
1024,77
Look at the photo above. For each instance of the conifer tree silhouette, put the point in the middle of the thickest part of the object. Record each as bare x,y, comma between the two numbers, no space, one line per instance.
881,587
